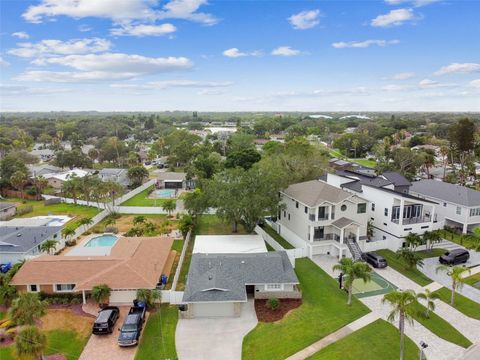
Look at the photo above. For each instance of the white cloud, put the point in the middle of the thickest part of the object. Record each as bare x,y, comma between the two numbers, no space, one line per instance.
143,30
108,66
3,62
363,44
235,52
403,76
458,68
167,84
57,47
429,84
475,83
84,28
120,11
285,51
305,19
18,90
21,35
211,92
393,18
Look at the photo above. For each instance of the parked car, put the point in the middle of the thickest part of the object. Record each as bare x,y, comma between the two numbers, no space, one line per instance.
106,319
375,260
132,326
454,257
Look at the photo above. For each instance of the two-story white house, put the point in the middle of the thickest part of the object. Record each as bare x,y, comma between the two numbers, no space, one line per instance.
322,218
393,212
456,206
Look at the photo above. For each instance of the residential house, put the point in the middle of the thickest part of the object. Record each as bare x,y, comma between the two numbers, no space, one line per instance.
134,263
174,180
120,176
21,243
392,211
229,244
56,180
218,285
322,218
456,206
43,154
7,210
43,169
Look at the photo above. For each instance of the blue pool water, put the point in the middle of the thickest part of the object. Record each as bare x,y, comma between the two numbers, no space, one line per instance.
165,193
102,241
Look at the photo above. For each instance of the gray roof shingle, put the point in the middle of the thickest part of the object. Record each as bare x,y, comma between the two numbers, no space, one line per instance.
222,277
314,192
21,239
453,193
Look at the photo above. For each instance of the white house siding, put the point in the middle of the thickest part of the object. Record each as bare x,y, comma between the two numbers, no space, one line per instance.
217,309
122,297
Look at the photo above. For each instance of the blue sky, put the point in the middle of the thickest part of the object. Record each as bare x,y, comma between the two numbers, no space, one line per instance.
133,55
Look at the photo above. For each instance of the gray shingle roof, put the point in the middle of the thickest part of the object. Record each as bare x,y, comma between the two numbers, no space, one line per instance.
343,222
222,277
171,176
396,178
21,239
314,192
111,171
453,193
6,205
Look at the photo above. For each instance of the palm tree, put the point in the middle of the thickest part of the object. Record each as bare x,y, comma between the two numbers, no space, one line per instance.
413,240
48,245
30,343
411,258
101,293
456,275
403,307
71,187
140,219
148,296
7,293
85,221
40,183
169,206
18,180
26,309
429,297
353,270
431,237
67,232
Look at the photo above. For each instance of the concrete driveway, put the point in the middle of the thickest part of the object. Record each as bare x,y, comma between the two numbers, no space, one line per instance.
214,338
106,347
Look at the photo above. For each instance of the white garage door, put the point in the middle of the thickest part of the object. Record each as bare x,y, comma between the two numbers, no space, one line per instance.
213,310
121,297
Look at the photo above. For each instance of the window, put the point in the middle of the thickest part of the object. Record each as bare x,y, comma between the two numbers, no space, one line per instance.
386,212
284,214
33,288
64,287
459,210
274,287
343,207
306,210
444,204
296,204
361,208
288,217
373,207
322,213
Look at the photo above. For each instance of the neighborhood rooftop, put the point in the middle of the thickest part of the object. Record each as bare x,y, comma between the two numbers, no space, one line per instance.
315,192
453,193
223,277
15,239
171,176
6,205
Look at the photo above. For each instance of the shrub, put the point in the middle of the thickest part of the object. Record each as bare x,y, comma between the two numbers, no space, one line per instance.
31,191
52,201
111,229
70,243
61,299
25,210
273,303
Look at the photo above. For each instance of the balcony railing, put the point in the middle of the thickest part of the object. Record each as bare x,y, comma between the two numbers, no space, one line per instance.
414,220
312,217
331,236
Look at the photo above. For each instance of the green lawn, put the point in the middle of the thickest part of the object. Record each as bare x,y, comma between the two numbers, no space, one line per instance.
399,265
66,342
361,161
277,237
158,340
269,248
462,303
458,238
379,340
141,199
435,252
441,327
177,245
324,310
473,280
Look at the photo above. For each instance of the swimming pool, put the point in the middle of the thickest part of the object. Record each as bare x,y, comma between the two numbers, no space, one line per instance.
102,241
164,193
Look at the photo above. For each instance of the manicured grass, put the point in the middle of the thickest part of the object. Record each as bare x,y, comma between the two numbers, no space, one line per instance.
141,199
462,303
473,280
2,315
440,327
436,252
6,353
177,245
269,248
379,340
277,237
158,339
364,162
324,310
213,225
400,265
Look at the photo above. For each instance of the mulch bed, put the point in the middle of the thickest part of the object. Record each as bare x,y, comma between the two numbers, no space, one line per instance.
265,314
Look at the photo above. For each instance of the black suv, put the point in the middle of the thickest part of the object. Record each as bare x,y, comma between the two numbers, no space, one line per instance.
454,257
375,260
106,319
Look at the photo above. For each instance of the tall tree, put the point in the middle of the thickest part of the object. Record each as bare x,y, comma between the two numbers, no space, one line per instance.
101,293
429,297
26,309
30,343
462,142
137,174
19,180
456,274
48,245
353,270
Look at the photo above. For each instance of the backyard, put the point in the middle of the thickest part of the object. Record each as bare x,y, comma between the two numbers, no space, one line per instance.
141,199
124,222
158,340
277,237
324,310
364,162
381,338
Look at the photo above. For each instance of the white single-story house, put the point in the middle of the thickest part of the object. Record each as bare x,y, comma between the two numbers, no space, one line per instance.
56,180
120,176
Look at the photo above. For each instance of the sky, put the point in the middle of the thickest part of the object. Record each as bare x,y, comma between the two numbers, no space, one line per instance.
199,55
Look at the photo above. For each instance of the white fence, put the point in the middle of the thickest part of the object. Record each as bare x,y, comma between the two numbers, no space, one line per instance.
139,210
134,192
171,296
180,261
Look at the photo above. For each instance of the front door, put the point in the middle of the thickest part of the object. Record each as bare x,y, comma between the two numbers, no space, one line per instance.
319,233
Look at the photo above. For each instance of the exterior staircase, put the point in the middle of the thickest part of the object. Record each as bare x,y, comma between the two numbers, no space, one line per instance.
354,249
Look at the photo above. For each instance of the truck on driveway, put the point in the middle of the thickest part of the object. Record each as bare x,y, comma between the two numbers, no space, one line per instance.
132,326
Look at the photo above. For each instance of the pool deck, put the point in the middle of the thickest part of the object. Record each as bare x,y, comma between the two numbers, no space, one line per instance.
82,250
